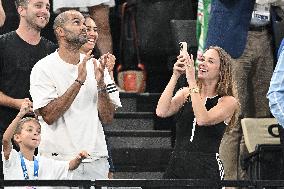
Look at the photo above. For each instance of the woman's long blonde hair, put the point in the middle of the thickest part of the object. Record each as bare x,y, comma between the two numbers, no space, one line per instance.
226,84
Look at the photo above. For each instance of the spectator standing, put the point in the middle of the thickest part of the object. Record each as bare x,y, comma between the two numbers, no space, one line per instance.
242,28
19,51
72,99
206,108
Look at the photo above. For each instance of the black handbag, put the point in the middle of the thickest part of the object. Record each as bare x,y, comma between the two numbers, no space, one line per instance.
129,55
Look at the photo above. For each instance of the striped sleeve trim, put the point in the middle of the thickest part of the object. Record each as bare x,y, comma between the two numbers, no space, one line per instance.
111,88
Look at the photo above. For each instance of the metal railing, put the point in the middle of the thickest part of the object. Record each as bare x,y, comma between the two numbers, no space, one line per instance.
147,183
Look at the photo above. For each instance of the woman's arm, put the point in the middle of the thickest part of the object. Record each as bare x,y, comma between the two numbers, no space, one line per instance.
167,104
223,111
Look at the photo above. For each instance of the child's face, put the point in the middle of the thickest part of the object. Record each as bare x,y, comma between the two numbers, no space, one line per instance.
29,136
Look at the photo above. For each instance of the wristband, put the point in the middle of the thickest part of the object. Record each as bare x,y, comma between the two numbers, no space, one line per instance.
80,82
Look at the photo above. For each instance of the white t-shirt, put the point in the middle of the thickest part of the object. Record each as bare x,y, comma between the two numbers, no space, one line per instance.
49,169
79,128
58,4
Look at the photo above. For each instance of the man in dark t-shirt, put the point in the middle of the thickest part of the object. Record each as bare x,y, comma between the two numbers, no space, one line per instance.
17,58
19,51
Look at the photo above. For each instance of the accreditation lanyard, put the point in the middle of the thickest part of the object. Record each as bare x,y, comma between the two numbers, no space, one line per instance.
25,171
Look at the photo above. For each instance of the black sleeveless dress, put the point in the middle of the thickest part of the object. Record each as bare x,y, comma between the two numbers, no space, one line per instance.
195,152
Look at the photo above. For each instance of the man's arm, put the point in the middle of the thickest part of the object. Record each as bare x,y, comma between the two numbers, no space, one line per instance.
8,101
105,107
108,95
276,91
57,107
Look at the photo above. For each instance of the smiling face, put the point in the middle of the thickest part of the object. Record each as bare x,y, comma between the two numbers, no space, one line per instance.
92,35
28,134
216,67
209,68
35,13
74,28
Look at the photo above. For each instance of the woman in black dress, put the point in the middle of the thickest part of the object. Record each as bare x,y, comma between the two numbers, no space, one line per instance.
205,109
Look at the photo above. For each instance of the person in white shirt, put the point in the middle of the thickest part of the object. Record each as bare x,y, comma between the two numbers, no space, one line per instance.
71,98
23,165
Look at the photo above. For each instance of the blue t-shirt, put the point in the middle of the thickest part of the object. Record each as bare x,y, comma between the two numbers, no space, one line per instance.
281,48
